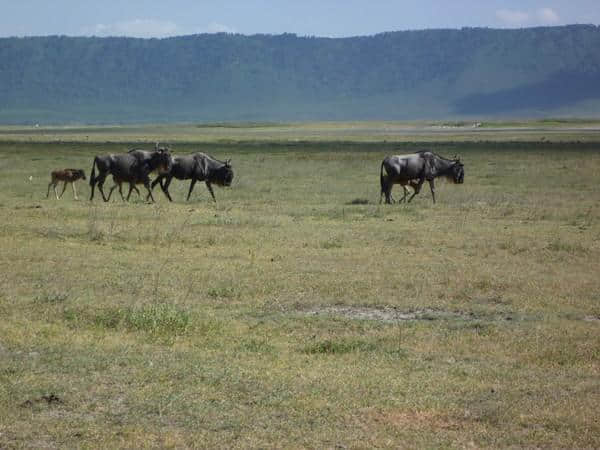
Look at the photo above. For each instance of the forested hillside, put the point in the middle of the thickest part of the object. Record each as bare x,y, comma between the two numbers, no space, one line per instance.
397,75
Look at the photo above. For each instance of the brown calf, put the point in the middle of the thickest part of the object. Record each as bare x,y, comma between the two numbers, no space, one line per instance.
66,176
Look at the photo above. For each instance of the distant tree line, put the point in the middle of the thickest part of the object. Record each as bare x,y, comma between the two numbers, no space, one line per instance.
407,74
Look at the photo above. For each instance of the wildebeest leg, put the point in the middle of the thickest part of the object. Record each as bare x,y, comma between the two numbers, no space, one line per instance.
432,187
93,178
383,190
116,184
49,184
101,179
92,183
210,189
405,194
388,194
121,192
63,191
417,188
55,192
387,191
147,186
165,187
74,190
157,181
111,191
132,188
191,188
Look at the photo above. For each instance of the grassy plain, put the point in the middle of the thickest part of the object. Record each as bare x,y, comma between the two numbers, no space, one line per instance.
297,312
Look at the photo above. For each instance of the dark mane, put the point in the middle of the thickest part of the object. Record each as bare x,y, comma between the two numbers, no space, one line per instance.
434,154
213,158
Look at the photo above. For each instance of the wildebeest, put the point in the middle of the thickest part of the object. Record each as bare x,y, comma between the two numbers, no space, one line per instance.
66,176
118,182
197,167
133,167
414,169
412,183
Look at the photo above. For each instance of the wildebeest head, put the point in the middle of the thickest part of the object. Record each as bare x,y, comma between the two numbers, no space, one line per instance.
223,176
81,174
161,160
458,171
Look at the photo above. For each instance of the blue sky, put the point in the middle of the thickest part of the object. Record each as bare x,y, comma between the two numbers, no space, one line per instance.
333,18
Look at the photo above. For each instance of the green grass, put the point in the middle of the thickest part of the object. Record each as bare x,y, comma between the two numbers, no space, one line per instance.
297,311
263,135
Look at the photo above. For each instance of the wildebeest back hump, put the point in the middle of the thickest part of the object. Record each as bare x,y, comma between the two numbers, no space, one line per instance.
125,165
183,166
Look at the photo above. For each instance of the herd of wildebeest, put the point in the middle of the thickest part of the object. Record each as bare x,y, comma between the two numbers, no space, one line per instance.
135,167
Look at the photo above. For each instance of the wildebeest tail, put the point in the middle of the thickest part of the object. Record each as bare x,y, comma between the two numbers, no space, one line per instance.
382,178
93,174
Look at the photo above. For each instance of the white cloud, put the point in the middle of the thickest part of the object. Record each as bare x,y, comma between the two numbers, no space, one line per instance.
512,18
517,18
148,28
214,27
142,28
548,16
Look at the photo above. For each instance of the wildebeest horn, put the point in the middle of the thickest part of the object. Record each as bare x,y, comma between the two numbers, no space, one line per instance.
228,162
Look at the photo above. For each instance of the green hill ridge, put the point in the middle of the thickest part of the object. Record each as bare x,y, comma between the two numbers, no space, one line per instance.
472,72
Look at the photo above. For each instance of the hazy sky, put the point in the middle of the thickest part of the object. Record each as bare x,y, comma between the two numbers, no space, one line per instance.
303,17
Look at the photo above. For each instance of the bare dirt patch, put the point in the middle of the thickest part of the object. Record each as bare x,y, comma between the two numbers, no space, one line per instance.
391,314
592,319
416,420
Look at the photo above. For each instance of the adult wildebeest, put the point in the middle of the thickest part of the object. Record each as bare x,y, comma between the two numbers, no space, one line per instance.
133,167
197,167
66,176
414,169
118,181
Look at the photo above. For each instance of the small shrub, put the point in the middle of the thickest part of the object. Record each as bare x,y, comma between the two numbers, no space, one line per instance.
94,232
256,346
96,235
52,297
374,212
108,318
162,319
338,347
477,327
512,247
70,315
558,245
209,327
221,292
331,243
